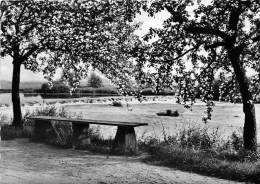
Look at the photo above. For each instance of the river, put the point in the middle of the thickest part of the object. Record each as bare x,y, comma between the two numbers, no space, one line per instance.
6,98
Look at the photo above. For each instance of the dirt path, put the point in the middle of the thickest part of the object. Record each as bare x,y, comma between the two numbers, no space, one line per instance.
24,162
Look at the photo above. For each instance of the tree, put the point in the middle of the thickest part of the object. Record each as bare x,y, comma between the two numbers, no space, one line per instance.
73,35
199,40
28,30
102,38
94,81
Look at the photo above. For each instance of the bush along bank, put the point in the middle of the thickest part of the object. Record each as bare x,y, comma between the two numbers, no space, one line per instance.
197,150
60,134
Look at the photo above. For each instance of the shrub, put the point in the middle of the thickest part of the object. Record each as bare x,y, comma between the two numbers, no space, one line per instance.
169,113
117,104
198,150
197,138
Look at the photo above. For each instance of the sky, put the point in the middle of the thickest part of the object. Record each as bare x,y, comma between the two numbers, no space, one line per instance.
26,75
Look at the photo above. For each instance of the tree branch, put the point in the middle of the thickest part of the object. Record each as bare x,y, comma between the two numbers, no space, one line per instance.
206,30
26,31
178,57
29,53
215,45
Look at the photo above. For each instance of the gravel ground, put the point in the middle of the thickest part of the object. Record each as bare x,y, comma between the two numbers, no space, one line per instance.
22,161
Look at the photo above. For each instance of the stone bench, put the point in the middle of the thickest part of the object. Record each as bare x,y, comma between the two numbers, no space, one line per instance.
125,138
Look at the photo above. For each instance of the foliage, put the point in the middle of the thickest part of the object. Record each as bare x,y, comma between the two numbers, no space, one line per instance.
72,35
188,41
21,21
94,81
200,40
99,35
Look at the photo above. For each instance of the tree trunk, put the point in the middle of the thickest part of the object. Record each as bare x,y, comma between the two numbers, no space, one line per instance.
250,131
17,114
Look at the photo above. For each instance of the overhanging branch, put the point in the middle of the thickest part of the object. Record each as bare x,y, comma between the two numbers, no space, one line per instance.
206,30
183,54
214,45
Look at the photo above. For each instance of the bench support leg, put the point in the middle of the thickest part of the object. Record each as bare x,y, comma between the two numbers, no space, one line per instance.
40,130
125,139
80,136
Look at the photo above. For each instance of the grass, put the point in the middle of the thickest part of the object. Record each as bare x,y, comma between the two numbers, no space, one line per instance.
205,163
226,117
197,150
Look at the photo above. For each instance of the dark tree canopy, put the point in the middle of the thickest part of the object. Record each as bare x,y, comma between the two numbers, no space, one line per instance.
202,40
